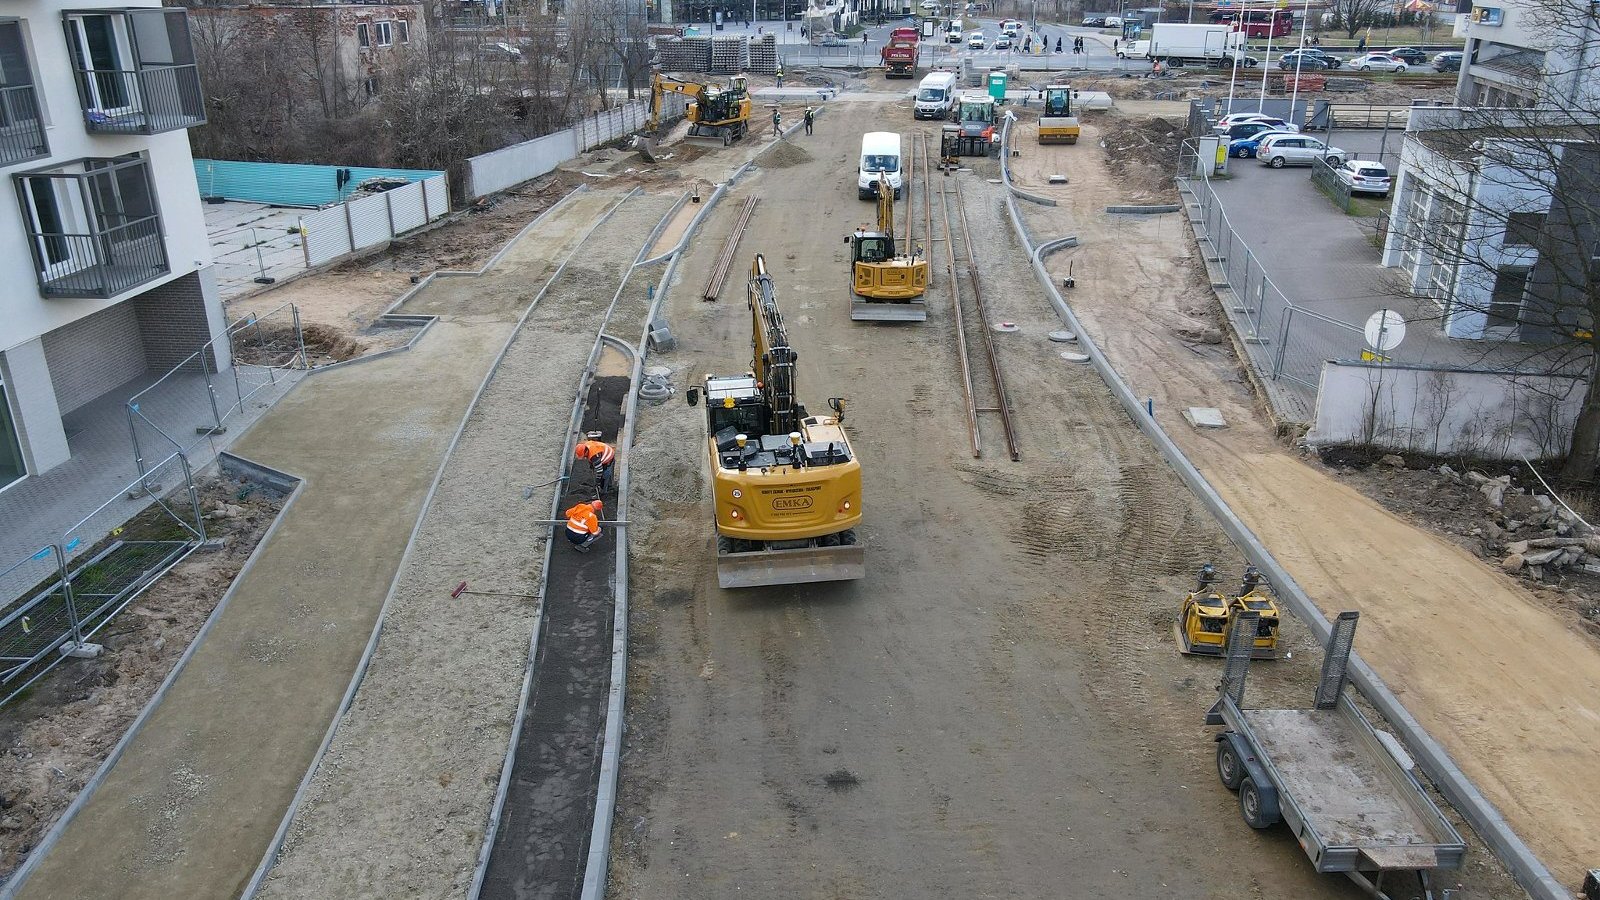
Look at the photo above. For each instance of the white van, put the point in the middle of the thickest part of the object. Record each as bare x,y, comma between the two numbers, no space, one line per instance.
934,96
880,154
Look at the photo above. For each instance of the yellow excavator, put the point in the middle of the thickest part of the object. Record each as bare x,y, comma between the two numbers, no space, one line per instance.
1205,618
886,286
1057,124
786,486
715,112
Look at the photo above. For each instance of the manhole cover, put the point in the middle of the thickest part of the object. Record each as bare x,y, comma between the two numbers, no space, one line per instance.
1007,327
1069,356
1063,337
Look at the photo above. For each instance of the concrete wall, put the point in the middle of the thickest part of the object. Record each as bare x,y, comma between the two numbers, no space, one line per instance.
1445,411
94,354
33,406
24,314
511,166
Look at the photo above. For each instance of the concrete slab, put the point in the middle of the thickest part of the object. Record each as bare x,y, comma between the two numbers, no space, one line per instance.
240,230
1205,417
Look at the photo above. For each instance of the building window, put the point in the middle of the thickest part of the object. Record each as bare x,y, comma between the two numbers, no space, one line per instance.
1522,229
371,85
136,70
384,33
403,29
1505,303
93,227
363,39
12,468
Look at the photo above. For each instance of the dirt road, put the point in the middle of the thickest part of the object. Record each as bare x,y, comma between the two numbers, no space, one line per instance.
1501,682
996,710
190,807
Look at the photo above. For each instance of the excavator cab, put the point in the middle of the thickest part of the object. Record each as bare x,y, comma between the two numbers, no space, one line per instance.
1205,617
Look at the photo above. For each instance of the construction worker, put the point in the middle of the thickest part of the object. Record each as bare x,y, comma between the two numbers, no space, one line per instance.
809,117
777,122
600,455
780,76
583,524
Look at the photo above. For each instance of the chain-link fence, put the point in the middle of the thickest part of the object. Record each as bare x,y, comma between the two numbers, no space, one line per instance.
67,591
210,388
1287,344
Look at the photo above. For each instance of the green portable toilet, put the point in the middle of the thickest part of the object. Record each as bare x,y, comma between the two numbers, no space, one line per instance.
997,86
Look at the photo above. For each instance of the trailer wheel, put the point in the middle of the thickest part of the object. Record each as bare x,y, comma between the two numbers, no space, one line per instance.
1258,811
1229,768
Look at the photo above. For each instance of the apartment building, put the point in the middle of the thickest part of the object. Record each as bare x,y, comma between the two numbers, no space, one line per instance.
1529,53
103,248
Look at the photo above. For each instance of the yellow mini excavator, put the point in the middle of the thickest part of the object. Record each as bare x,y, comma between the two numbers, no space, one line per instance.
886,286
1057,124
715,112
1206,617
786,486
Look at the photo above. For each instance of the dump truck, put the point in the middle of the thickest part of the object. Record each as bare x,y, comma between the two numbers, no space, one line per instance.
900,56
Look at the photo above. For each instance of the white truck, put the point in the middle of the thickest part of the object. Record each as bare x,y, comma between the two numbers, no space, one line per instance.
1182,45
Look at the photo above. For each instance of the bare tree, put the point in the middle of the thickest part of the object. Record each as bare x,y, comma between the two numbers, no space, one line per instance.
1354,15
1504,233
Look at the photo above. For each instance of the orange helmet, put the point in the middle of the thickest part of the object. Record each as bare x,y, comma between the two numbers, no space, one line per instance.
597,505
583,450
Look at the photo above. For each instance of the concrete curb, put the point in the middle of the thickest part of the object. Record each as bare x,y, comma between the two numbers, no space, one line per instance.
530,671
53,835
270,857
1440,768
1143,210
597,867
1005,164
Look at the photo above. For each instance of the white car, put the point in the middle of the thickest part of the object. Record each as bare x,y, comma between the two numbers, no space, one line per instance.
930,4
1383,62
975,41
1297,150
1364,177
1233,119
1002,43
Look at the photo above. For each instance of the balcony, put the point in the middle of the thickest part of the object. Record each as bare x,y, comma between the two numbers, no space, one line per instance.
21,131
93,227
136,70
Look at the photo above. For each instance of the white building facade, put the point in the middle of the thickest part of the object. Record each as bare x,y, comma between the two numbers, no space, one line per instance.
104,257
1526,53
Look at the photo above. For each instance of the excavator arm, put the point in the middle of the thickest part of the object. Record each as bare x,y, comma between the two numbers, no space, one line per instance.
774,358
886,207
661,86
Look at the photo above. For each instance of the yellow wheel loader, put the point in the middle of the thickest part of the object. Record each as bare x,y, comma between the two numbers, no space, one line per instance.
786,485
715,112
1206,616
1057,124
886,285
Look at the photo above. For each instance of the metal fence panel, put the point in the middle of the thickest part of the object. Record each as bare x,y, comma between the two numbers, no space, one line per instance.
436,196
39,618
369,221
509,166
405,207
327,235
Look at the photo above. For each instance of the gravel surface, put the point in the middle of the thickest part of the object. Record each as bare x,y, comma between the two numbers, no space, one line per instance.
400,803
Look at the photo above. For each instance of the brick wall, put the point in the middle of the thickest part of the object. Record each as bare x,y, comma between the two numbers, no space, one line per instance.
93,355
172,322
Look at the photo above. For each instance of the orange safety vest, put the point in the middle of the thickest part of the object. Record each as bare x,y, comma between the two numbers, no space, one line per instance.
582,520
598,451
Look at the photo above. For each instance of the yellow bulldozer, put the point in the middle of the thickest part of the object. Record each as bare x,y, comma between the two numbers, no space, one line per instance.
1205,618
786,485
715,112
1057,124
886,285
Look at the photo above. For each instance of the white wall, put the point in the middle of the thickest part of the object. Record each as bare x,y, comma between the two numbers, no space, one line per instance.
1441,411
24,314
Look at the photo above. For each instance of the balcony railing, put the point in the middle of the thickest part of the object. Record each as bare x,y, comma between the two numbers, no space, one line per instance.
21,131
95,232
144,101
103,264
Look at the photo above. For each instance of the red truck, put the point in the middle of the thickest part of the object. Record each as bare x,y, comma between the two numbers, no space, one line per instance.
900,54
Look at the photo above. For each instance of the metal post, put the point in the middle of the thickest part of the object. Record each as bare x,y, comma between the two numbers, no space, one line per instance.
133,432
349,226
388,205
211,389
305,245
427,216
194,496
299,337
1283,342
73,624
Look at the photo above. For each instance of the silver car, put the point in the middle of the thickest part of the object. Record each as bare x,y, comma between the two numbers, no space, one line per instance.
1297,150
1365,177
1383,62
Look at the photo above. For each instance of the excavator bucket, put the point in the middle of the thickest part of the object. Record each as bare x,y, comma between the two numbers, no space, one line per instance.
888,311
757,568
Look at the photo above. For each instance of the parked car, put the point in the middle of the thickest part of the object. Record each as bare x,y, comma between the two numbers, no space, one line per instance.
1002,43
1251,129
1364,177
975,41
1411,55
1303,61
1383,62
930,4
1094,21
1296,150
1246,148
499,51
1245,62
1228,121
834,40
1448,61
1328,60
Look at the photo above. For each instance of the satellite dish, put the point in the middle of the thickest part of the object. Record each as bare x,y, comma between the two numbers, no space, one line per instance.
1385,330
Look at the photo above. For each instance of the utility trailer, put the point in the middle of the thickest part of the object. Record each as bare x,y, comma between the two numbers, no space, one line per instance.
1345,789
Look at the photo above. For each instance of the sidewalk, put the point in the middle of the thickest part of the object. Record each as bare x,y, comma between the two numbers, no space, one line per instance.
192,804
